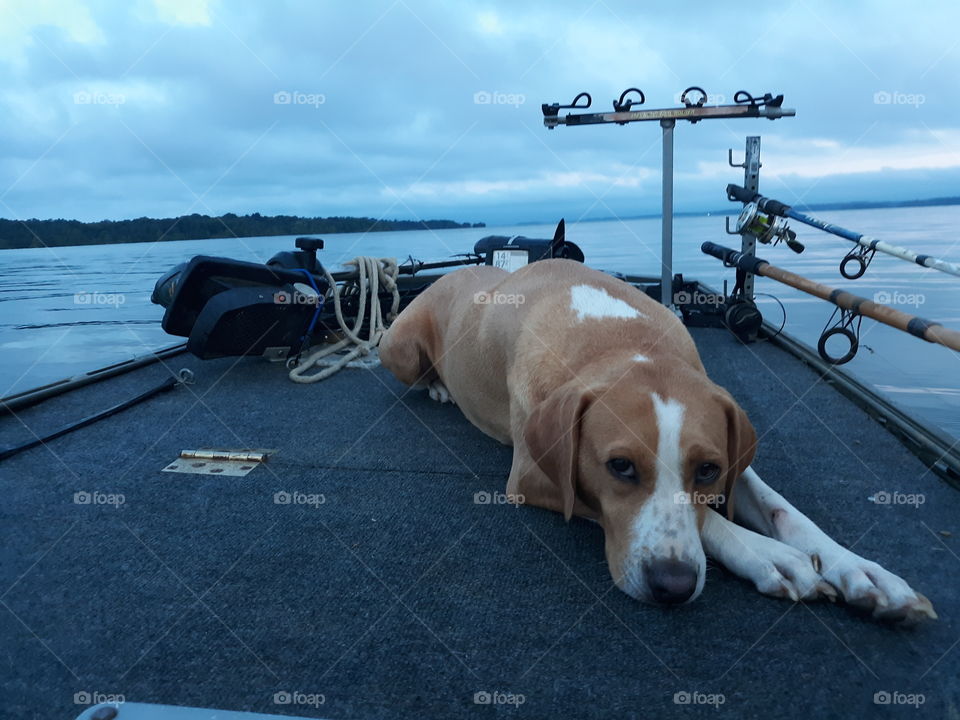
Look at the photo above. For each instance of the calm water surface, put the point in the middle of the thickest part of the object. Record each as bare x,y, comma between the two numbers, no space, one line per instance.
69,310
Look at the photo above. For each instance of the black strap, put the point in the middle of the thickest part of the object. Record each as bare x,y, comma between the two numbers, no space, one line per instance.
168,384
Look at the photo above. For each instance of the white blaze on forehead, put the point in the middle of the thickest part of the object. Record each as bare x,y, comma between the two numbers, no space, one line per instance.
669,424
593,302
666,525
640,358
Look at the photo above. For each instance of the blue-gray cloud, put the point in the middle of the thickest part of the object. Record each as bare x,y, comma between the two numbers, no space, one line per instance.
417,108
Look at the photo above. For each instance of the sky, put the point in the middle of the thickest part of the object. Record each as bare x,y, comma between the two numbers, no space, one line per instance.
422,109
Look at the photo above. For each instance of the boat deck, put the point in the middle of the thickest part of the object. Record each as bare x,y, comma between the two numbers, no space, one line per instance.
399,595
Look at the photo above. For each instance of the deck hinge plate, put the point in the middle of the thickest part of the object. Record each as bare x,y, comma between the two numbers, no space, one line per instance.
218,461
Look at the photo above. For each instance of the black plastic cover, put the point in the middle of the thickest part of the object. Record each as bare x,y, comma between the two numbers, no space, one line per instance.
204,277
537,248
247,321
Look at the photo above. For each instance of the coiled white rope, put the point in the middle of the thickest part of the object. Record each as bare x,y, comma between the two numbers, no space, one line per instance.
372,274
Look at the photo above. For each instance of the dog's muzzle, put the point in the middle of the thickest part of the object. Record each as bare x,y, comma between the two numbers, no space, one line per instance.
671,582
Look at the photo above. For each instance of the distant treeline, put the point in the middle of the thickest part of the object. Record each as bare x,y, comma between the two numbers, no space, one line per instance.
57,233
869,205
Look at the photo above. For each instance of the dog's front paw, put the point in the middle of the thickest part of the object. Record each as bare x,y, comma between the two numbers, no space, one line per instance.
867,586
782,571
438,391
773,567
777,569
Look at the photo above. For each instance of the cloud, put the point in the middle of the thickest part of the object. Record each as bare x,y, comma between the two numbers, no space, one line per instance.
156,108
183,12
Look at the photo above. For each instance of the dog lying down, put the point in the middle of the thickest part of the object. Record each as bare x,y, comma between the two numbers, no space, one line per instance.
611,415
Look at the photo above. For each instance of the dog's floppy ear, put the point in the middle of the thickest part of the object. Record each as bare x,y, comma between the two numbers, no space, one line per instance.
552,435
741,446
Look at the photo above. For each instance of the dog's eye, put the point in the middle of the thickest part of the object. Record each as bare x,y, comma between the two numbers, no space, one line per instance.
707,474
622,469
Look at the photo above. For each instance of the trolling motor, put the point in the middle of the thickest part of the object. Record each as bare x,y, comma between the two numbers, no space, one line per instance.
231,307
512,253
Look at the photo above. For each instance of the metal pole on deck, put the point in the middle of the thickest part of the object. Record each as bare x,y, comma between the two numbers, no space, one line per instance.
694,109
751,180
666,221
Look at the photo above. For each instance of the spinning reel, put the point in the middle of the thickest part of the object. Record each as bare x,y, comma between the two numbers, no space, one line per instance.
766,228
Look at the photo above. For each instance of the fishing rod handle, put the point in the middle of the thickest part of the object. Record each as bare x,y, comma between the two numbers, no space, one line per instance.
733,258
741,194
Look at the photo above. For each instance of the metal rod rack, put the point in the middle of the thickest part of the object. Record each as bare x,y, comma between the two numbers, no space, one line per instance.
694,110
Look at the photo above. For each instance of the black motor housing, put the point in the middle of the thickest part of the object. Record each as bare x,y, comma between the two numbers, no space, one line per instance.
511,252
231,307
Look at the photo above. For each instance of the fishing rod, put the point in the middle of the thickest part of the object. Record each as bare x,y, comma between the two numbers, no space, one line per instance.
183,377
852,308
868,246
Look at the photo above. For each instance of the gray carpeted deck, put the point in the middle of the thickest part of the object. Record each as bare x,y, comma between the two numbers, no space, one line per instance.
400,596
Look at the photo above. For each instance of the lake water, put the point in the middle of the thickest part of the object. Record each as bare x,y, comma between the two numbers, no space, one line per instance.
70,310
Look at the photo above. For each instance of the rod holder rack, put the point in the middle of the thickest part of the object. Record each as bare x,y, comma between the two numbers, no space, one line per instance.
694,109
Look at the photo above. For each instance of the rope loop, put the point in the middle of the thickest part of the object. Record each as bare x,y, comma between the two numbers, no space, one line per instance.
373,274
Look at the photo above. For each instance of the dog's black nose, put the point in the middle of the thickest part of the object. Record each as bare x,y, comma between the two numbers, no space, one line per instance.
671,581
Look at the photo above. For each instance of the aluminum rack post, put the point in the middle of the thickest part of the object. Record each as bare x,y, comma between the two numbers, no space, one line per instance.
666,218
751,181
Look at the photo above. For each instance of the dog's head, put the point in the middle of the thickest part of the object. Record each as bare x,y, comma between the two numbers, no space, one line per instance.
645,462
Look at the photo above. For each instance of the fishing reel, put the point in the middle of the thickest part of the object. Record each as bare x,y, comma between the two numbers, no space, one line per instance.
701,307
766,228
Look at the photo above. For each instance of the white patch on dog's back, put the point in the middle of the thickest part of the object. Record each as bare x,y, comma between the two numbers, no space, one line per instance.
593,302
640,358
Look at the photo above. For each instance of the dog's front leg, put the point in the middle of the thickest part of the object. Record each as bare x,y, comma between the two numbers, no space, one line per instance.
861,582
774,567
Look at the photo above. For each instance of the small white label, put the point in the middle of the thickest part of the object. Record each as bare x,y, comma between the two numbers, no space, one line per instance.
510,260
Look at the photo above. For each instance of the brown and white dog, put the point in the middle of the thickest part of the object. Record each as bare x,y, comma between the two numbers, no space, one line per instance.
601,393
